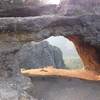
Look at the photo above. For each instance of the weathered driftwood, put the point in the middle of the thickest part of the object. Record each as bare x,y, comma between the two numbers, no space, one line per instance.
53,72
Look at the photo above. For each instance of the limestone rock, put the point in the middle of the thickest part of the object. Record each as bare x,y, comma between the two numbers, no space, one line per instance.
79,7
65,89
35,55
24,8
41,27
15,88
86,27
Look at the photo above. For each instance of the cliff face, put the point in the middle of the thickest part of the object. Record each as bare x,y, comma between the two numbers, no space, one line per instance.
21,22
88,53
87,27
23,8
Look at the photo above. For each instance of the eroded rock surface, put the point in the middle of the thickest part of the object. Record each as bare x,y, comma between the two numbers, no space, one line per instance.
24,8
38,28
41,27
79,7
16,31
15,88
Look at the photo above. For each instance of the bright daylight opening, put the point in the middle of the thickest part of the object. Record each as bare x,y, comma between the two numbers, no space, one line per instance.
51,1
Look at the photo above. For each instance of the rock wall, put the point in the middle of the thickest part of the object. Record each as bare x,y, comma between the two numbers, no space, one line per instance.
79,7
65,89
23,8
13,86
22,30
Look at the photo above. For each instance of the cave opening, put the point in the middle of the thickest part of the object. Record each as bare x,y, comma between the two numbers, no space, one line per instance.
59,56
70,55
56,51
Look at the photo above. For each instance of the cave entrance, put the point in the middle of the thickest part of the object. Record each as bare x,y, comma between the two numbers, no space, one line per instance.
70,55
57,57
56,51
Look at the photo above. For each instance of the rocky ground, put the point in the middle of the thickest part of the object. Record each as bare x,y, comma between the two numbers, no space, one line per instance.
65,89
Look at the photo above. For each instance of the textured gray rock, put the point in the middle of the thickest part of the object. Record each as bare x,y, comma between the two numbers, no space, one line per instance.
15,31
79,7
40,54
15,88
9,65
22,30
29,11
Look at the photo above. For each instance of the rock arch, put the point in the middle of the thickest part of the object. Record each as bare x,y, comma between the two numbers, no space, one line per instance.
82,30
22,24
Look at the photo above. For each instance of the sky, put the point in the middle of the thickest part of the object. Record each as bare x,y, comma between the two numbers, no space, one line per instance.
66,46
52,1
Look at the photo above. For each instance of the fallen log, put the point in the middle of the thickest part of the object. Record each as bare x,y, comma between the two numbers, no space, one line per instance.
53,72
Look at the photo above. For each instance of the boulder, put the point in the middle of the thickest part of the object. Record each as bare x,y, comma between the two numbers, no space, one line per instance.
40,54
13,86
